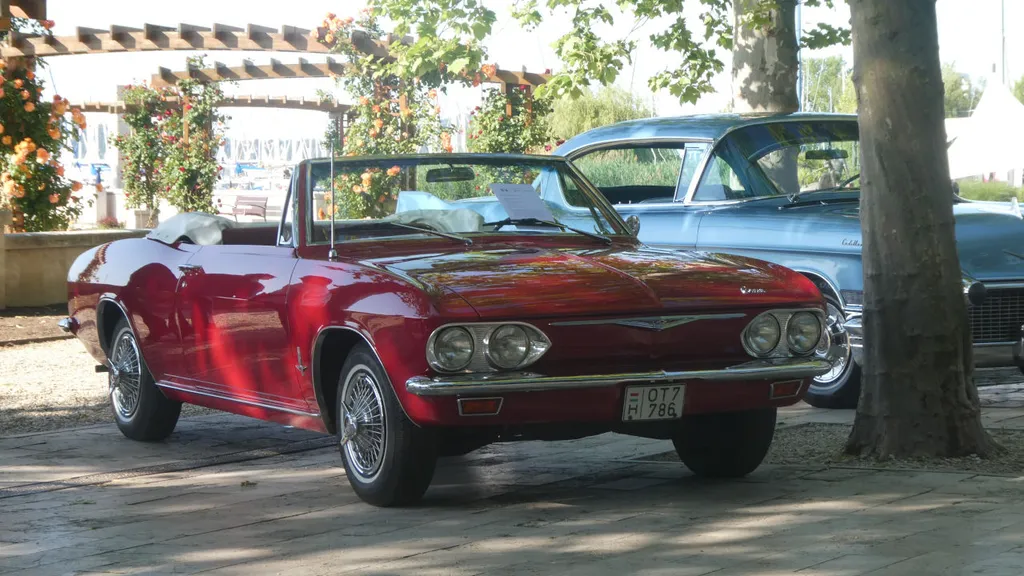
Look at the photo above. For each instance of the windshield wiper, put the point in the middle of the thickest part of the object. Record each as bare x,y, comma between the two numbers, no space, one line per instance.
373,223
537,222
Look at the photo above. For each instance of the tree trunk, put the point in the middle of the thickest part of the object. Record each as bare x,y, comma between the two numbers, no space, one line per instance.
918,397
764,58
764,70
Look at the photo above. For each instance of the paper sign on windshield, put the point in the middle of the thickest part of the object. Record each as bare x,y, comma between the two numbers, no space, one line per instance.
521,201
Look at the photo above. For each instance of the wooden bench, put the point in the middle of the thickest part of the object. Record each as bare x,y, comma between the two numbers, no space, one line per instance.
250,206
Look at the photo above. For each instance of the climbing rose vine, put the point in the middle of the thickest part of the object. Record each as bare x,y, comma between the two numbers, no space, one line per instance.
142,149
33,132
492,129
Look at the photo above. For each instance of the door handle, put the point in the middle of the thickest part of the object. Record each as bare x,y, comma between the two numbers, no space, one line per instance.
190,268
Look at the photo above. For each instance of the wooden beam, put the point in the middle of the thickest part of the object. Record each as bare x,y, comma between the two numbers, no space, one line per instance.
250,71
31,9
120,34
154,32
248,101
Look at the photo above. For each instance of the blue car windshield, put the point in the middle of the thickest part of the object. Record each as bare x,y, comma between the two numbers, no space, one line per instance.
801,157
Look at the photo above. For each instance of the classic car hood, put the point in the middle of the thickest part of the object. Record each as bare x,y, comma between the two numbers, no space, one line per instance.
990,242
536,282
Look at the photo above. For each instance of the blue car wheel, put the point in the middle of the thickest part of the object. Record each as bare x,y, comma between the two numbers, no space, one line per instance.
839,387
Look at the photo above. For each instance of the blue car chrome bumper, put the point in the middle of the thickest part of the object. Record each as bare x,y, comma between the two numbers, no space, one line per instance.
987,355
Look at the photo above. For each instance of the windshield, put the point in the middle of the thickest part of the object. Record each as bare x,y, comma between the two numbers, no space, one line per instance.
455,195
801,157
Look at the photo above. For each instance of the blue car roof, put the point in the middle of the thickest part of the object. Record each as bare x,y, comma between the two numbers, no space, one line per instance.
708,126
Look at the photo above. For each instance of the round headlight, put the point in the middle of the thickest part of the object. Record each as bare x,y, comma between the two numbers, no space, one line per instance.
803,331
453,349
762,335
508,346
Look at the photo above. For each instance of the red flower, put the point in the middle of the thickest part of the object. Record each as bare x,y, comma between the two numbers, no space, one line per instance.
547,147
547,70
559,142
181,168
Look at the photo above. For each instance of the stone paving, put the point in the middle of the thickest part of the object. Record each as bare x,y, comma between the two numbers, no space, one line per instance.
235,496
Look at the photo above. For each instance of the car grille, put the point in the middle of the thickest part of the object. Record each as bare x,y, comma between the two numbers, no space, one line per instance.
999,317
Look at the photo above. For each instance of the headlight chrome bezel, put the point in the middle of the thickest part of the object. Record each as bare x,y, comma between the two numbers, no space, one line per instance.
815,341
537,345
434,359
782,348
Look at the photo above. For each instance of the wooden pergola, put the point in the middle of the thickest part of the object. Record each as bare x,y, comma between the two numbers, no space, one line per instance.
249,101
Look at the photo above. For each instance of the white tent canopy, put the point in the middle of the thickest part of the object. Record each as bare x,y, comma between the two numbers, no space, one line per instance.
991,139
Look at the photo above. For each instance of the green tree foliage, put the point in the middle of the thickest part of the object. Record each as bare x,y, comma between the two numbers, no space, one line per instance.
492,129
588,55
828,85
143,147
962,94
1018,89
609,105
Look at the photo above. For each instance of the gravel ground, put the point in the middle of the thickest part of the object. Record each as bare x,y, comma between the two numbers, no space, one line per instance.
52,385
18,324
822,445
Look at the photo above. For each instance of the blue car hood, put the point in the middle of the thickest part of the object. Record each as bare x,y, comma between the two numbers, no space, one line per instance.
990,242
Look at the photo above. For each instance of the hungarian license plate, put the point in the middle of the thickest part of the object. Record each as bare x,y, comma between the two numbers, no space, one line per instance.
653,402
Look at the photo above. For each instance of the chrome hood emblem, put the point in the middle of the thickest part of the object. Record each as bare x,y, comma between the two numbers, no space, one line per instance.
746,290
656,323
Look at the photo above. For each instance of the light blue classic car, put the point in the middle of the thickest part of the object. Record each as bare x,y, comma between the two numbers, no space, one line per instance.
785,188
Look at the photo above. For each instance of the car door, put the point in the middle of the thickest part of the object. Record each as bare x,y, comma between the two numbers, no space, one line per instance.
232,303
649,180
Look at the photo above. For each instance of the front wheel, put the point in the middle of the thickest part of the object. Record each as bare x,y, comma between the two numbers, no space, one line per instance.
840,386
389,461
727,444
141,410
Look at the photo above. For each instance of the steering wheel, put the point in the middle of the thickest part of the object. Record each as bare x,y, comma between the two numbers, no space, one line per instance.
848,180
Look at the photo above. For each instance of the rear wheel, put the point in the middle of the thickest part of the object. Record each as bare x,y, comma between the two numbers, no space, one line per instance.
727,444
840,386
389,461
141,410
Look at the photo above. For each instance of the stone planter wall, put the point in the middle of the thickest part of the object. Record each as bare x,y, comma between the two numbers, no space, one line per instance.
34,265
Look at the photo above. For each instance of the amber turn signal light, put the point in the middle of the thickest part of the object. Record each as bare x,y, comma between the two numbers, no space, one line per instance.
479,406
787,389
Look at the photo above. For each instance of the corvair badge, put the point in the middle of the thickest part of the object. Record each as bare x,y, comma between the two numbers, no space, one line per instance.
851,242
746,290
656,323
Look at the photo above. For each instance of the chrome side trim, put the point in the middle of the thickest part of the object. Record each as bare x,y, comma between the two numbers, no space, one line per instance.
164,384
528,382
650,322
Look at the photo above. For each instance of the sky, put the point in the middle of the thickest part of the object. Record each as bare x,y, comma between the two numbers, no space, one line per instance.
969,36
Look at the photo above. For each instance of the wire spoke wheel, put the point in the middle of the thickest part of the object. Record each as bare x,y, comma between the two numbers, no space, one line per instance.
364,436
839,355
125,376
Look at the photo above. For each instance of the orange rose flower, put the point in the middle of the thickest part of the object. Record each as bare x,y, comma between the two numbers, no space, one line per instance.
367,179
433,93
1,92
59,108
9,187
42,156
18,83
489,69
54,198
25,95
378,123
19,191
54,133
6,140
48,24
321,215
5,177
363,100
357,189
373,133
99,187
42,187
76,186
314,35
1,128
329,38
394,170
30,107
30,75
60,170
376,109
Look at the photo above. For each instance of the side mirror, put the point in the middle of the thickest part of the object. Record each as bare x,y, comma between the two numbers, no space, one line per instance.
633,222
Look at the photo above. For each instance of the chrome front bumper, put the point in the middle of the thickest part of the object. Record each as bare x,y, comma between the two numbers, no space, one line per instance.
988,355
528,382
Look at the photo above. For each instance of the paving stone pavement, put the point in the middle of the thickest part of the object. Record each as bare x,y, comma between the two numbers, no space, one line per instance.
236,496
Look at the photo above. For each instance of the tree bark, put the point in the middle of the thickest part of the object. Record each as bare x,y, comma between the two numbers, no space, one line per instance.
918,396
764,59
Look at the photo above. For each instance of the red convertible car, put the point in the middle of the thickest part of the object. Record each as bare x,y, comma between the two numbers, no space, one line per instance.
425,306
